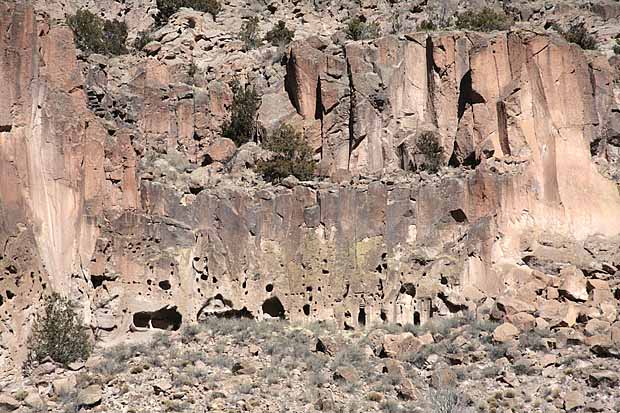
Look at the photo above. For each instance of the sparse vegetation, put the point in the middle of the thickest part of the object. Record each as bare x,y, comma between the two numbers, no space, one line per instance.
249,33
58,333
360,29
241,127
616,47
142,40
485,20
426,26
169,7
578,34
280,35
428,146
96,35
447,401
291,156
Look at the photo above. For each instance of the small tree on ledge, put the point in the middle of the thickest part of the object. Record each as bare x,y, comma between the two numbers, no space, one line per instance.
292,156
58,333
241,127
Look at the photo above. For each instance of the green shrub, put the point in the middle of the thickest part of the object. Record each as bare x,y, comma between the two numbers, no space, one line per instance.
426,26
292,156
485,20
279,35
578,34
616,47
168,7
358,29
95,35
249,33
428,145
58,333
241,127
142,40
114,37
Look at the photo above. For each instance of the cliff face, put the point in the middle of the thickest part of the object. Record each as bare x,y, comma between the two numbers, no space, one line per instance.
112,191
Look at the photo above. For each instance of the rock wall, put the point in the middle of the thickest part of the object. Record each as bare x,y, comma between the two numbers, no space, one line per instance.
117,191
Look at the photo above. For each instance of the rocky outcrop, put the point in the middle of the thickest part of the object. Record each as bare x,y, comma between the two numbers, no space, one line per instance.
118,190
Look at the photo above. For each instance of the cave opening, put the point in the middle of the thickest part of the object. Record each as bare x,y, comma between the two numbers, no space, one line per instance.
361,316
273,307
163,319
306,309
416,318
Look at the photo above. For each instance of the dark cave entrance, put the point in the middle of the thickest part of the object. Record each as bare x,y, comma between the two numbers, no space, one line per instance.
273,307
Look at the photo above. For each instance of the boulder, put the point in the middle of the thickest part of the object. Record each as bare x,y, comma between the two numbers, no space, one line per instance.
221,150
8,404
574,284
400,345
347,374
604,377
243,368
523,321
505,332
597,327
574,400
90,396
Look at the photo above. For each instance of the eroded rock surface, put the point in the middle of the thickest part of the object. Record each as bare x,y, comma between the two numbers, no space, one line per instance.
118,190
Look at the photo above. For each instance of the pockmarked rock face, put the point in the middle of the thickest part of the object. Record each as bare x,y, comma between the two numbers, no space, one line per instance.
118,191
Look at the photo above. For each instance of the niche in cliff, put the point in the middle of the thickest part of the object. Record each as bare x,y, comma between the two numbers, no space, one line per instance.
6,128
218,306
273,307
167,318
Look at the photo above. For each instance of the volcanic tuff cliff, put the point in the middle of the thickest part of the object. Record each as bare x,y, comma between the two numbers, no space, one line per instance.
117,190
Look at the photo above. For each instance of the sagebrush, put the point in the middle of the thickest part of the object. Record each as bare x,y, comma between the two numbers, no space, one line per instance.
58,333
249,33
168,7
359,29
280,35
485,20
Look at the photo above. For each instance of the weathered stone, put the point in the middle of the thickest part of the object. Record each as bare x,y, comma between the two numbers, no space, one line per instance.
90,396
505,332
596,327
605,377
522,321
347,374
400,345
221,150
573,400
243,368
574,284
8,404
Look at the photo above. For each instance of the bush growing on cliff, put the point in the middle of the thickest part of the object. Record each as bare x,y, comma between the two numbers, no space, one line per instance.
428,145
426,26
241,127
168,7
292,156
578,34
249,33
142,40
96,35
280,35
360,29
485,20
58,333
